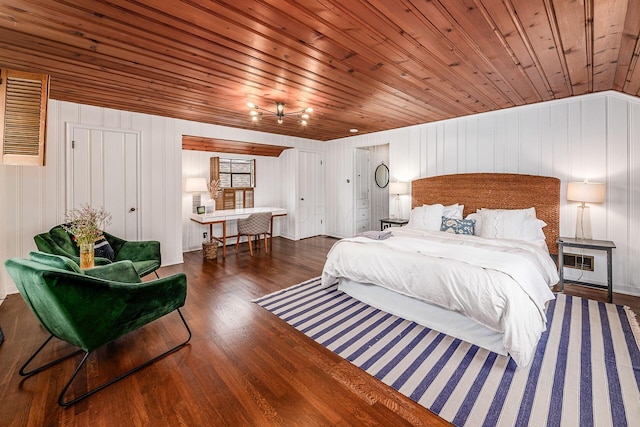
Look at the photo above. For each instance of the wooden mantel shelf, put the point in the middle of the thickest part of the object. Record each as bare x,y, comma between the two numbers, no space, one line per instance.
200,143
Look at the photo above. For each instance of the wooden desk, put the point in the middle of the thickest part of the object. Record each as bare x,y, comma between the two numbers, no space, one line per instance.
222,216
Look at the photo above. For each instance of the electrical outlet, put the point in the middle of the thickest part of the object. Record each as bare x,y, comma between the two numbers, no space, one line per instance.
204,235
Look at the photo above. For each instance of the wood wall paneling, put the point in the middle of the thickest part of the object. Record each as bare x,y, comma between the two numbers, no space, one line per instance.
375,65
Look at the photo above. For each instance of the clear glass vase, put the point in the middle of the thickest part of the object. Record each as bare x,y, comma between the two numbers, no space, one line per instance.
86,255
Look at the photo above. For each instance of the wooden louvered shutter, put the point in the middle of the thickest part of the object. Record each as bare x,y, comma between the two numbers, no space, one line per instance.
228,198
23,117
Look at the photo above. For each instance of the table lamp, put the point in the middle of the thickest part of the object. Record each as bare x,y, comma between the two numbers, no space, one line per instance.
585,192
398,188
196,186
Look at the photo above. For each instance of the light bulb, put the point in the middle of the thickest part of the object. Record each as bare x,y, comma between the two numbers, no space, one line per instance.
251,105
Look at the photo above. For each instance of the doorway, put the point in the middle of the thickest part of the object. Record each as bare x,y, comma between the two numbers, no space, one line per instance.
310,194
102,170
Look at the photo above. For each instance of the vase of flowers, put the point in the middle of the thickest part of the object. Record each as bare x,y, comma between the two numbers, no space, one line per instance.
214,191
86,225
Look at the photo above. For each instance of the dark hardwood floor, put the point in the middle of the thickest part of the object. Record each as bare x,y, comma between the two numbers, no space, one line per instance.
243,366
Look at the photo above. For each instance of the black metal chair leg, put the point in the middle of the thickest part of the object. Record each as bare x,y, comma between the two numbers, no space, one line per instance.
61,401
156,271
22,371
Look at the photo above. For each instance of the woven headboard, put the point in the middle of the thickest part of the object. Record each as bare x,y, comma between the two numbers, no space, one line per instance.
495,191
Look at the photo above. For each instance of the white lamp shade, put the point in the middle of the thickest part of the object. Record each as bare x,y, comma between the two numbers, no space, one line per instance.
196,185
398,188
586,192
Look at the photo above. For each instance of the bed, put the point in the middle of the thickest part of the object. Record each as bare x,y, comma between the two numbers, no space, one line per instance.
491,292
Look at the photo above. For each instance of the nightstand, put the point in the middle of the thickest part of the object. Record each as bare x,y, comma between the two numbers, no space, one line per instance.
388,222
601,245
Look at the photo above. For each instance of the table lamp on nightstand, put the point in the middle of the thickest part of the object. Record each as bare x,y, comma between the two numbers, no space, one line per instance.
585,192
196,186
398,188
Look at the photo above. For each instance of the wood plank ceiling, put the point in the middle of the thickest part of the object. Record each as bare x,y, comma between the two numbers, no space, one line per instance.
366,64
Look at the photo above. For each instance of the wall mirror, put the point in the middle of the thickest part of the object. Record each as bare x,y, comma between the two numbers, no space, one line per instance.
382,175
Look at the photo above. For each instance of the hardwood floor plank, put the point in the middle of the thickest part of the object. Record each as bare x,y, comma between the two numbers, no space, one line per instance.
243,366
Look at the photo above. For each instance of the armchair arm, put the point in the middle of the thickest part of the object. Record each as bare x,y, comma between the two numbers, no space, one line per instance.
139,251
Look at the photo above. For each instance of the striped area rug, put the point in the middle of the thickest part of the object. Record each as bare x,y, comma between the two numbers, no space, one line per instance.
586,370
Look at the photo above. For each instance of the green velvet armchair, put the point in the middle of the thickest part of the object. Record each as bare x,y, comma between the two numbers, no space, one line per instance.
145,255
91,308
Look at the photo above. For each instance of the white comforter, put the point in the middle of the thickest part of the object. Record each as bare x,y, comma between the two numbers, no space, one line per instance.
502,284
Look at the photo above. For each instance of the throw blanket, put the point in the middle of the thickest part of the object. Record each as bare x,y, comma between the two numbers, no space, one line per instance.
501,284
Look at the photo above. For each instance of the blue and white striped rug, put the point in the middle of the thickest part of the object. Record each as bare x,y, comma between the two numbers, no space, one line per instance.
586,370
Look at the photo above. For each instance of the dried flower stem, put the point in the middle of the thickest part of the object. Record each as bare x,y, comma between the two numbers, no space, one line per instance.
86,224
214,188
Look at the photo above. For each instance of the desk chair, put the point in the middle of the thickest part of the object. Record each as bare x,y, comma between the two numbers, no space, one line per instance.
254,225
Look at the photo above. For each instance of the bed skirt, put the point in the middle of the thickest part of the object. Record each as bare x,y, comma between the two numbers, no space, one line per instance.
437,318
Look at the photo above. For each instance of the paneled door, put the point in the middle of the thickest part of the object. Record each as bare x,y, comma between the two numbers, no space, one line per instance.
102,170
310,194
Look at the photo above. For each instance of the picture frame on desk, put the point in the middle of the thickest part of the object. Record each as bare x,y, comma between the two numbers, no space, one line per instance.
200,210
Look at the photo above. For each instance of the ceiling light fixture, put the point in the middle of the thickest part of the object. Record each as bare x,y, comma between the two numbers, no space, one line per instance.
256,113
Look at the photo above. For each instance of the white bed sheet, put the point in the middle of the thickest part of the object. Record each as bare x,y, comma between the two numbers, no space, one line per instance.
503,285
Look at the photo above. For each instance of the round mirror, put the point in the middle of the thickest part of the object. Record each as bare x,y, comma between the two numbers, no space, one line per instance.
382,175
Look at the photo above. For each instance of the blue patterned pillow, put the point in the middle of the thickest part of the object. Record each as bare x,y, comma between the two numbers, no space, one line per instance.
457,226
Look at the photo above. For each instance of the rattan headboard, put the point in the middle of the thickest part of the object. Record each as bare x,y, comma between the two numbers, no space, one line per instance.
495,191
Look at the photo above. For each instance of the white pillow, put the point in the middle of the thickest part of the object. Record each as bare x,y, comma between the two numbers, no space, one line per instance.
453,211
532,230
509,224
426,217
476,217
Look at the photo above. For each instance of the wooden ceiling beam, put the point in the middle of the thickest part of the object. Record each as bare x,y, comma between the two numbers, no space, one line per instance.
216,145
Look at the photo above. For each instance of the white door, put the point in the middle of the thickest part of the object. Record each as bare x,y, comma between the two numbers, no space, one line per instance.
311,194
102,170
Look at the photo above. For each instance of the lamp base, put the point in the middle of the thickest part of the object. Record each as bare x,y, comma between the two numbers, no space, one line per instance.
196,202
583,223
397,213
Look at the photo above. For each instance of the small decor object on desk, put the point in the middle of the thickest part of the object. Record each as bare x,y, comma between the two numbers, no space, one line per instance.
85,225
214,191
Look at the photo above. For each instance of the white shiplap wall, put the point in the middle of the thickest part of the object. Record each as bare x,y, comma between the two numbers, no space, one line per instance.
33,198
268,192
595,137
